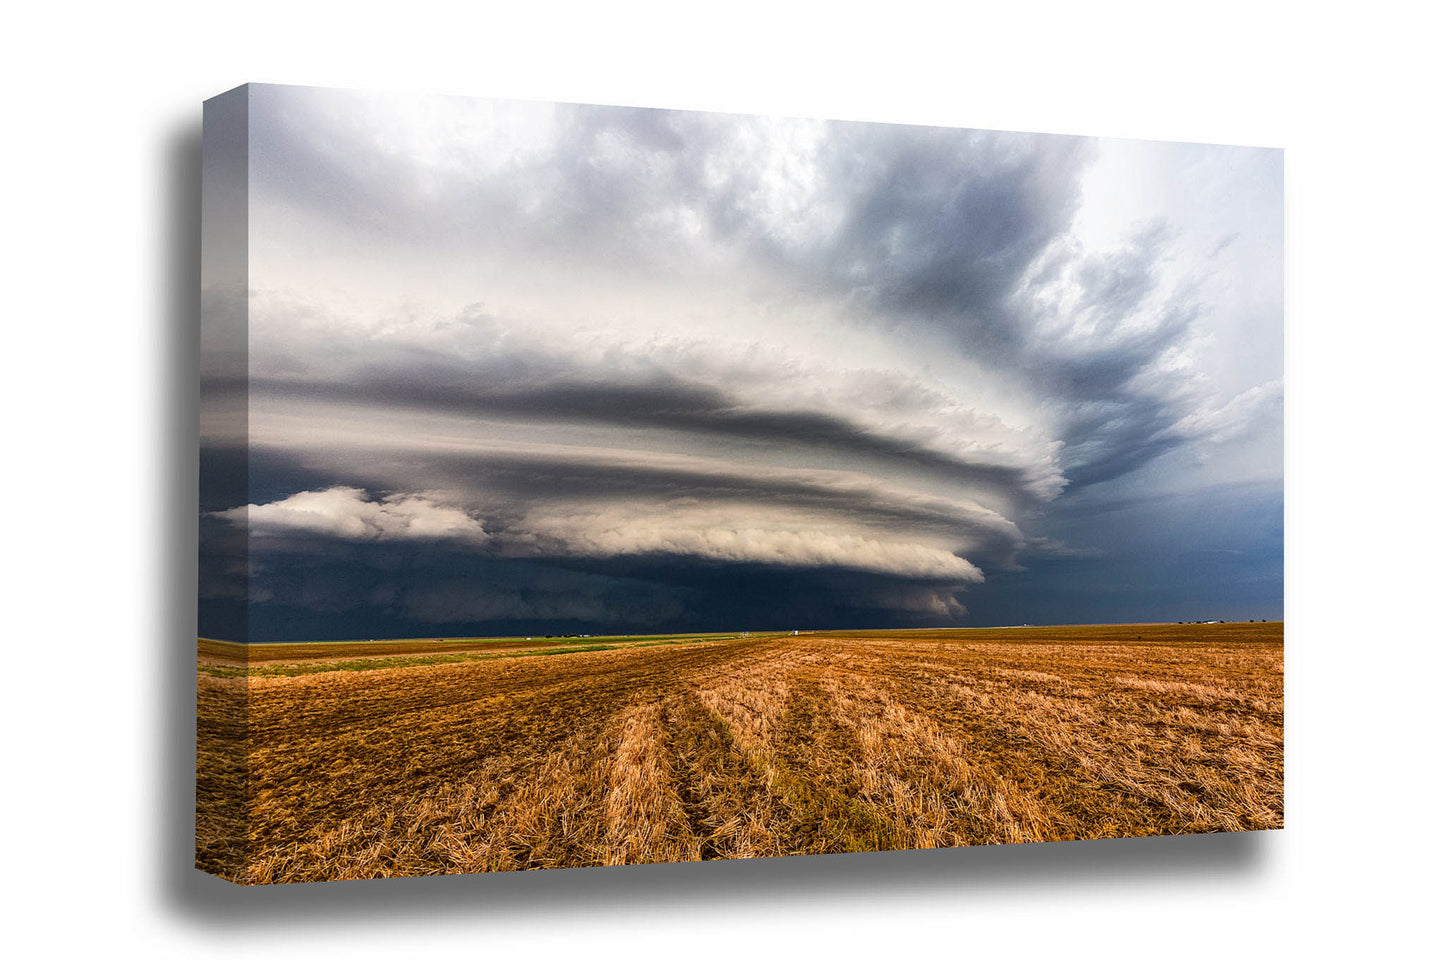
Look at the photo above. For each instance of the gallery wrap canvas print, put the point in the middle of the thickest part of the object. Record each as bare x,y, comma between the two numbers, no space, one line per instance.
593,485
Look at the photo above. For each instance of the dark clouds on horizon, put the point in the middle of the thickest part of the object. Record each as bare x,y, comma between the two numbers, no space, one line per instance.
528,368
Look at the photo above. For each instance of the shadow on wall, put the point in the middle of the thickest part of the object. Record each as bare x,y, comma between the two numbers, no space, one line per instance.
195,898
175,657
772,884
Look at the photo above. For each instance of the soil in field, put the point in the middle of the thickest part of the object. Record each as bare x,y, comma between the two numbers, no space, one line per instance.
763,746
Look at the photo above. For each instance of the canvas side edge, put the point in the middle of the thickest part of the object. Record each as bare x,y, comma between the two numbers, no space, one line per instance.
224,791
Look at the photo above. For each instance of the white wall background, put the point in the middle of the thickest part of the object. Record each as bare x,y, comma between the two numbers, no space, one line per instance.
101,112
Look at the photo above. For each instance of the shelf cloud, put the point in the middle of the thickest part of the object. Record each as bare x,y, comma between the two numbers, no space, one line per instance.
519,365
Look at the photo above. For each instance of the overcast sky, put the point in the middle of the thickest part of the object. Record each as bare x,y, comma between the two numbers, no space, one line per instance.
520,368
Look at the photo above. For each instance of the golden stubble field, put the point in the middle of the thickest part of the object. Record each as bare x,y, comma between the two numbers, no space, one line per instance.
397,761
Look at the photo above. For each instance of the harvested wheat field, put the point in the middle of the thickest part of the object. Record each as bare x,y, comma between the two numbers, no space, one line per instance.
505,758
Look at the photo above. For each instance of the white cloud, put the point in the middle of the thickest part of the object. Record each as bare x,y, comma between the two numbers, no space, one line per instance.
740,534
345,512
685,527
1235,418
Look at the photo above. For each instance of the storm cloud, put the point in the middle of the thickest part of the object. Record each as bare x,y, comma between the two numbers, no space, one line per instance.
518,365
